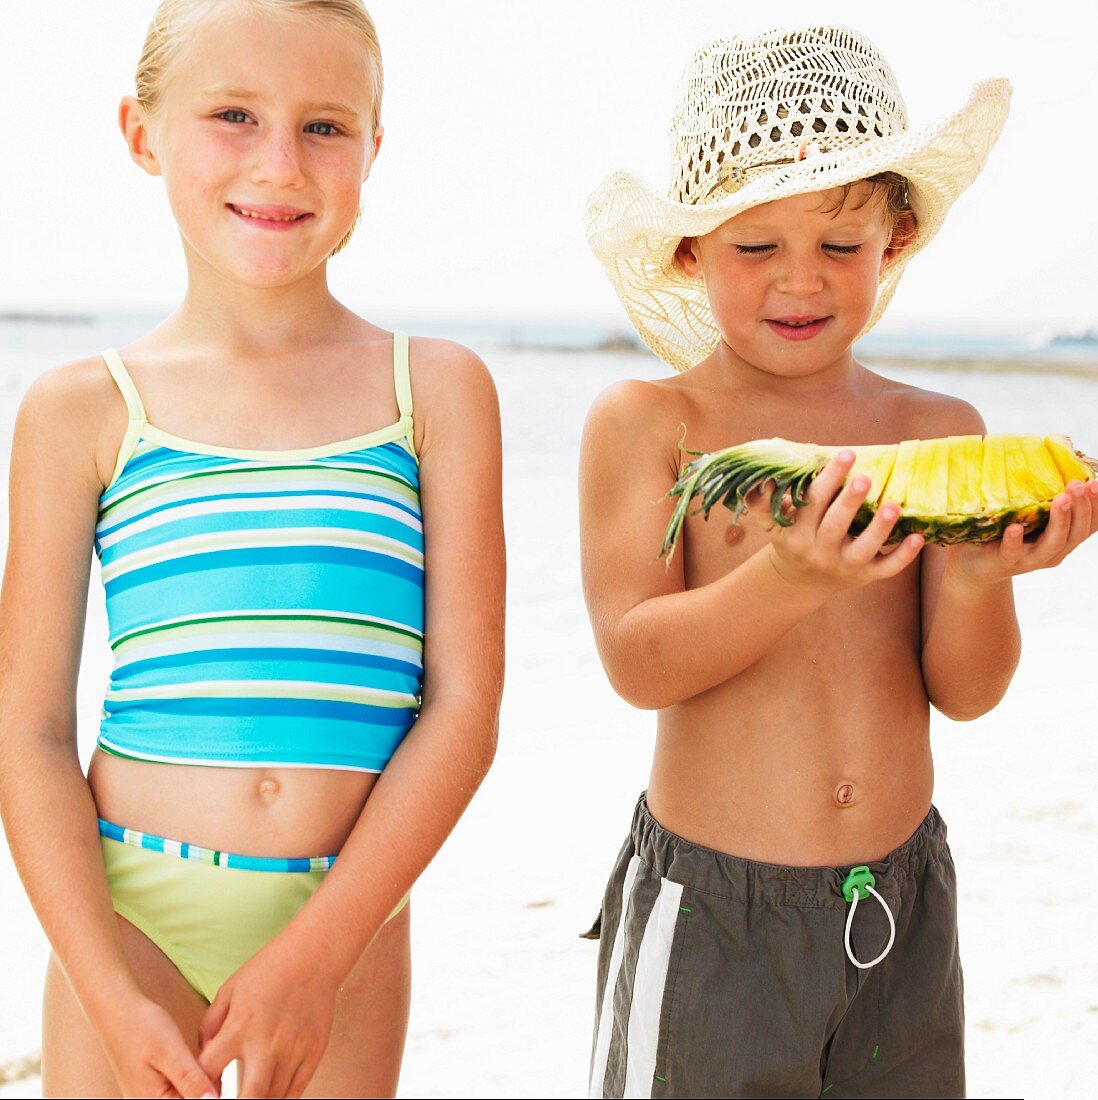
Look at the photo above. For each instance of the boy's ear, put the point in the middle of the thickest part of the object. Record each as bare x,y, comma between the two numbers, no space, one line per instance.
137,135
903,233
687,259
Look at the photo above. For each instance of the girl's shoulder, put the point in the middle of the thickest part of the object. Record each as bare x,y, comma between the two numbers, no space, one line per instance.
453,395
74,409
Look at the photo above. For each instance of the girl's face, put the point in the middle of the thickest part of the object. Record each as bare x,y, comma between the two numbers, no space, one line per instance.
791,283
264,139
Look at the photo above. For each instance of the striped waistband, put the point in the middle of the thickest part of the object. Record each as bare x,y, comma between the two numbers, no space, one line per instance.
216,858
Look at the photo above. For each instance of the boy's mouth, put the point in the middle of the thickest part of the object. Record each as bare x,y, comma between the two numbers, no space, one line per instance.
796,328
269,217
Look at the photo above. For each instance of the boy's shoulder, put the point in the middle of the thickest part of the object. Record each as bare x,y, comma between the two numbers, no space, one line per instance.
928,414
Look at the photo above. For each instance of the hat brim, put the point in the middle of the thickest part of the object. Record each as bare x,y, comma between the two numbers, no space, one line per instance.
635,231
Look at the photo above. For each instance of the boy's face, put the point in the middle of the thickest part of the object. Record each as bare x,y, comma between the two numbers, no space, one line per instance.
775,267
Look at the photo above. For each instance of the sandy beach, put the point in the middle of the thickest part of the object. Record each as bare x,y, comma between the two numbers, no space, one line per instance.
504,988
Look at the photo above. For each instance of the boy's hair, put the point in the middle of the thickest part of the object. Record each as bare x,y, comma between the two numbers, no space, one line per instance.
174,21
888,188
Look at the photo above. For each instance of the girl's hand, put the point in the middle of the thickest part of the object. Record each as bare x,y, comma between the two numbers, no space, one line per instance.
817,550
150,1057
275,1015
1072,518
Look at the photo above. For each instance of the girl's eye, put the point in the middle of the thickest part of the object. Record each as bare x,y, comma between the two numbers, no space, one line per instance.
323,129
232,115
843,249
753,249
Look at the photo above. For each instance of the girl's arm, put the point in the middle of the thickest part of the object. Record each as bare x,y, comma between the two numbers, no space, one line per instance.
48,812
428,783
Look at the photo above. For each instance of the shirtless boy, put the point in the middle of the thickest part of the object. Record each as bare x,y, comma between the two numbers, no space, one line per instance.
792,668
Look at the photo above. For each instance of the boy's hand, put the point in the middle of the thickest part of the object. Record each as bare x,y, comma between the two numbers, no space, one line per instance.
818,552
1072,518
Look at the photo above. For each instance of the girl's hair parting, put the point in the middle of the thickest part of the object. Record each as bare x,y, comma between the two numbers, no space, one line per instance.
175,19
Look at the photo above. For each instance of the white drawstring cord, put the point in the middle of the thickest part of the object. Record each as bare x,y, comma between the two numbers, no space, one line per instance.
850,922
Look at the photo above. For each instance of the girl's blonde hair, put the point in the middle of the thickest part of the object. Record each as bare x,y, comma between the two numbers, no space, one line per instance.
175,20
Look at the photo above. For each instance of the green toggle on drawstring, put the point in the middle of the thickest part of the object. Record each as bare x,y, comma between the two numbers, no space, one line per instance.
859,879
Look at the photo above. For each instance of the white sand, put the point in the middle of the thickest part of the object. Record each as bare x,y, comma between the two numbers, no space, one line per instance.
503,997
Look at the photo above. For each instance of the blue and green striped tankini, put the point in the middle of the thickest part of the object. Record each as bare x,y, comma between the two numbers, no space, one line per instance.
265,607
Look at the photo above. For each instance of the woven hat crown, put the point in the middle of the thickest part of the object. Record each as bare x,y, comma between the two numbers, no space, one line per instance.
748,103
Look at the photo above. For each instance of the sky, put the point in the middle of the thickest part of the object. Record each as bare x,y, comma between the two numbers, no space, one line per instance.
502,115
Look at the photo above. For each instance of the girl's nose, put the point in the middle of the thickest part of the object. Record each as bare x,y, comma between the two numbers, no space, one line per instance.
278,159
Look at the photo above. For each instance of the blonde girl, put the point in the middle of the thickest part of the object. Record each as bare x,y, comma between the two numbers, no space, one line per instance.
297,518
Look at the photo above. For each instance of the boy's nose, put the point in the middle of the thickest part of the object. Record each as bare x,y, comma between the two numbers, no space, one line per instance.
278,160
801,278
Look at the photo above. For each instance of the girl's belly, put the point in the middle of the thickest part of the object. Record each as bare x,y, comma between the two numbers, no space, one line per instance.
287,812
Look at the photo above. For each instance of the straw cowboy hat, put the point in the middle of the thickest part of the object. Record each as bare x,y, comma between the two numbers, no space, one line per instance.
759,119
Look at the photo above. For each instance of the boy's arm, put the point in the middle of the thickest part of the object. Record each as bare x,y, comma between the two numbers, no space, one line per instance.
661,644
971,641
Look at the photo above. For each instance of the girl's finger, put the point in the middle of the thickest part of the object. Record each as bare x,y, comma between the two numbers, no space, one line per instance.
213,1018
895,563
255,1079
835,525
871,541
184,1074
217,1054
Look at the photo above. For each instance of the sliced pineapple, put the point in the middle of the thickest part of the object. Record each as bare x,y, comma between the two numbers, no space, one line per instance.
1070,463
965,472
965,488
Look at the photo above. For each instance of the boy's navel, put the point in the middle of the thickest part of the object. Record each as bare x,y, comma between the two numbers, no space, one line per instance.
845,794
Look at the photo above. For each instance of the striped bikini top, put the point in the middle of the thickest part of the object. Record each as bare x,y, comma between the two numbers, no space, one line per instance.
265,608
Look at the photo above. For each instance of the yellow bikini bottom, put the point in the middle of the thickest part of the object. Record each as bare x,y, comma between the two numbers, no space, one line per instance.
207,918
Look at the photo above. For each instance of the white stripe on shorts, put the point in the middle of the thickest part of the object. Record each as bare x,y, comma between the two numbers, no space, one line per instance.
648,987
606,1013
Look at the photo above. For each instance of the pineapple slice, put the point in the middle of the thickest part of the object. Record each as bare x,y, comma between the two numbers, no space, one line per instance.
899,480
1071,467
875,463
928,493
966,455
993,478
1031,473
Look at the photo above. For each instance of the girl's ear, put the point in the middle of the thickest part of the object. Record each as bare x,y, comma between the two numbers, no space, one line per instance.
378,135
137,135
903,233
687,259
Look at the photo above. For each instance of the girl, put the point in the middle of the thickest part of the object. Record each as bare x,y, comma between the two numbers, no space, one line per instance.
267,595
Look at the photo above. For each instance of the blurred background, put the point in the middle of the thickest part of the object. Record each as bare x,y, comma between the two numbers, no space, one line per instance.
499,118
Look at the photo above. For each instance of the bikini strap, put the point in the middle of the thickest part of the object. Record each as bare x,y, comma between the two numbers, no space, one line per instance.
401,378
124,382
403,384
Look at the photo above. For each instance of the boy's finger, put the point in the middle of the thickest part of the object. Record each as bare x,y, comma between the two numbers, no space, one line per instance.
896,562
1053,538
825,486
1081,516
835,525
871,541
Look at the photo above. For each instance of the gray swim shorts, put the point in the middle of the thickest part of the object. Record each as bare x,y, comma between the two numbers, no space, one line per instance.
722,977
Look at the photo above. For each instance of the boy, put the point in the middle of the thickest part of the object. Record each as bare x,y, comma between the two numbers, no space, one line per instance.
793,668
